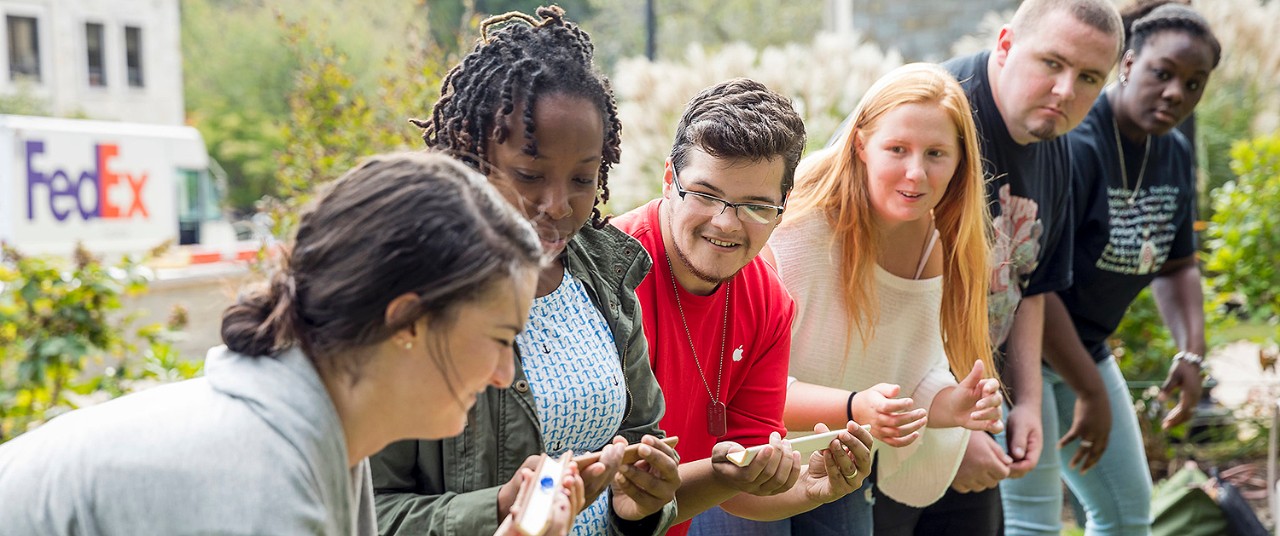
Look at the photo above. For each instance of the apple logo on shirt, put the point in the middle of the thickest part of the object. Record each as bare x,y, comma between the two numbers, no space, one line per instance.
737,354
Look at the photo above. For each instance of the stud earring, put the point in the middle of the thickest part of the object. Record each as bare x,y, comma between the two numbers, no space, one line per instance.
408,345
1124,80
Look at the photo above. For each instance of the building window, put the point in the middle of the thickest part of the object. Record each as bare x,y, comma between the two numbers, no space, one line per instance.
133,55
24,49
94,40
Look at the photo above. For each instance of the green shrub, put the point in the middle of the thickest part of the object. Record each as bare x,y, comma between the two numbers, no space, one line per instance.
63,342
1243,238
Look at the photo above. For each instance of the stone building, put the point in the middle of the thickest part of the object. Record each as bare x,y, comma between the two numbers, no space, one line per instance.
104,59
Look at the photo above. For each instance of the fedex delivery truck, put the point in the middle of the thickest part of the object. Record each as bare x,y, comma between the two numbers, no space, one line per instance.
117,187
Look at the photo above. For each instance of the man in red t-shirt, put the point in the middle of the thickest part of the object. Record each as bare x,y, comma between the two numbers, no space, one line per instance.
717,318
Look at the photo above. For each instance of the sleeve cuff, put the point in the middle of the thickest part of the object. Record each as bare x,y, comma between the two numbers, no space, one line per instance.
474,512
654,524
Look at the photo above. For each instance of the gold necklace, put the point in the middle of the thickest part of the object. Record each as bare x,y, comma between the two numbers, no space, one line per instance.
717,423
1124,174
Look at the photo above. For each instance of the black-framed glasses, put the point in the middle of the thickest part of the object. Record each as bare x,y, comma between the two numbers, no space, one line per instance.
710,205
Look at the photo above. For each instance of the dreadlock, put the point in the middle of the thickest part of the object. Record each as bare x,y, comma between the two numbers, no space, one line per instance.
527,59
1176,17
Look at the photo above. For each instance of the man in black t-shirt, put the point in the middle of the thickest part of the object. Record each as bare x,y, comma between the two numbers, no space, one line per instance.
1036,84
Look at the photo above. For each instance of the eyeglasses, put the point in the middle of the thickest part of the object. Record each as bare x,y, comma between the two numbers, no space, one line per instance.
710,205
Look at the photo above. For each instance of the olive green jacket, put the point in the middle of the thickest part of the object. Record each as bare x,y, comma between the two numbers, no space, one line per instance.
450,486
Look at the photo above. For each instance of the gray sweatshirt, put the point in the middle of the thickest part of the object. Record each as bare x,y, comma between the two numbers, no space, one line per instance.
254,447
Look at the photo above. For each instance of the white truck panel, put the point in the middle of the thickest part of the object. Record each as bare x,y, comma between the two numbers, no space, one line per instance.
112,186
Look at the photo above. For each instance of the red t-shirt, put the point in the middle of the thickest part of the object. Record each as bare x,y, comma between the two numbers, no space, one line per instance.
754,382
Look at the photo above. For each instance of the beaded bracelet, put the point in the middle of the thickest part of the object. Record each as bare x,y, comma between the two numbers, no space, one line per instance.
1190,357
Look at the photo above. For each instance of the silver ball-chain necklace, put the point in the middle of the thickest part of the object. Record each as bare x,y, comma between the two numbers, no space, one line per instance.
717,422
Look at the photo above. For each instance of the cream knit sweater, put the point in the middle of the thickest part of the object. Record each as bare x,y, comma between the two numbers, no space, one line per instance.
906,350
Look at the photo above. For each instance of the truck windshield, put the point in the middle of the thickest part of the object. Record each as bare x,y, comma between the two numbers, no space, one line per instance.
198,202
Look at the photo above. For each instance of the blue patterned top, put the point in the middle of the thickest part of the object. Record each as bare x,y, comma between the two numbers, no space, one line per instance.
570,359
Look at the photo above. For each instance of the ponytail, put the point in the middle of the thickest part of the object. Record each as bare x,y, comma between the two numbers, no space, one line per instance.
262,322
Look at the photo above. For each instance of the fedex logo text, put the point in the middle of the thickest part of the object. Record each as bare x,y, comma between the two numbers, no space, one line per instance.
103,179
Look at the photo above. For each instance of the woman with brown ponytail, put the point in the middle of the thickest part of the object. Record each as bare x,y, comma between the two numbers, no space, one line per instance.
405,289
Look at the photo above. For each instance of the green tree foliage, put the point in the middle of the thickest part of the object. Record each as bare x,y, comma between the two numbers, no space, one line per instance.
1242,98
241,66
1225,115
64,342
1244,234
243,61
235,77
334,122
245,144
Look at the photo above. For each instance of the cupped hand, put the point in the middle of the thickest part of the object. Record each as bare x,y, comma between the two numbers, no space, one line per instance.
1183,376
565,505
892,420
1092,426
984,465
839,469
1026,439
508,493
642,488
979,402
774,469
597,476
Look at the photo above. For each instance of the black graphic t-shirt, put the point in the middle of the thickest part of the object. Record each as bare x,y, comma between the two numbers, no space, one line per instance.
1121,245
1028,193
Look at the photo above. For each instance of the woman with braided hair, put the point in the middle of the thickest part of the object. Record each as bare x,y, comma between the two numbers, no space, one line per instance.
527,107
1135,196
404,288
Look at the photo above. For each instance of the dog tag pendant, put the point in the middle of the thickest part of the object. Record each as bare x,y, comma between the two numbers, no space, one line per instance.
716,425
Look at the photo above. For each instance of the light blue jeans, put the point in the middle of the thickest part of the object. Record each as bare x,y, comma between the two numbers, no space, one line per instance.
849,515
1116,493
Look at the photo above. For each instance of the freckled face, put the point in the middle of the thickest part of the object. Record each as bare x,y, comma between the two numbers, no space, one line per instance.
911,156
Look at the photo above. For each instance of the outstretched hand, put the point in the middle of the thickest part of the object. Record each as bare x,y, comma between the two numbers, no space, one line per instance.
976,402
892,420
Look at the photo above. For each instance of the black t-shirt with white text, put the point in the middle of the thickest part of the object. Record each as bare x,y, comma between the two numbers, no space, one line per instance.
1120,245
1028,194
